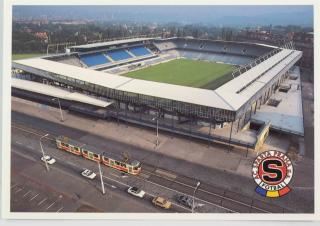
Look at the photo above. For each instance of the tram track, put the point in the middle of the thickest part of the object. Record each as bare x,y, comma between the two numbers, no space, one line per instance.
227,200
220,198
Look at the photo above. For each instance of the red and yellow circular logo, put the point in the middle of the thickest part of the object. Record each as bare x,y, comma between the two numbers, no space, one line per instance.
272,172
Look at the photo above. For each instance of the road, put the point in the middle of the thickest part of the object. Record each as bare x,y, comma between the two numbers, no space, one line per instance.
61,180
155,181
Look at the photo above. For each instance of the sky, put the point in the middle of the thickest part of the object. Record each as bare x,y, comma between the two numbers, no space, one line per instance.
209,15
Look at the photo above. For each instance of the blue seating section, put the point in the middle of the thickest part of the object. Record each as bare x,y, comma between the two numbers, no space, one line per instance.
119,54
94,59
139,51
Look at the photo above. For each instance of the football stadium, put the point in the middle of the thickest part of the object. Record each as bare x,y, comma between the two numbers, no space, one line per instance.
218,91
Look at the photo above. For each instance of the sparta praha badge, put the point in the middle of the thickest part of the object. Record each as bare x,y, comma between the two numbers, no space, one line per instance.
272,171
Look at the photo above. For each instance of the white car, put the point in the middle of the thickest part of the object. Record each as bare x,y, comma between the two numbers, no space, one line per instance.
88,174
48,159
136,192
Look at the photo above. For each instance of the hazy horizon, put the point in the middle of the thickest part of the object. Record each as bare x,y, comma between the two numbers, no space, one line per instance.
243,15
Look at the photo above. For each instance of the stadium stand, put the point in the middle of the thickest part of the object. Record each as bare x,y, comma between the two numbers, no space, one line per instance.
71,60
94,59
215,57
139,51
234,48
119,54
165,45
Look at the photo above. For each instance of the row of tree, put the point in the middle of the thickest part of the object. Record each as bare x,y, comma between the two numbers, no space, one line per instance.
24,39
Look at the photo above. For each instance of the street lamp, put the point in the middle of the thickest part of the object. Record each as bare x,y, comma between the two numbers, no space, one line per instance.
194,192
156,118
59,107
47,167
101,179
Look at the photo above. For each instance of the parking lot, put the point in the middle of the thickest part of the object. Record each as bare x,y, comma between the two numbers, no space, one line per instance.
27,196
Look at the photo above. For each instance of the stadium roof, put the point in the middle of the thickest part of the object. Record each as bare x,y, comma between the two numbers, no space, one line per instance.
240,89
110,43
266,45
56,92
161,90
225,97
221,41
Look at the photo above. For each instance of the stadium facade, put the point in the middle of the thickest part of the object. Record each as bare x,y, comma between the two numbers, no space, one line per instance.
94,69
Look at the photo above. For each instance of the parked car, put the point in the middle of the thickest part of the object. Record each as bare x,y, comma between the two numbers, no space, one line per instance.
185,200
162,202
48,159
88,174
136,192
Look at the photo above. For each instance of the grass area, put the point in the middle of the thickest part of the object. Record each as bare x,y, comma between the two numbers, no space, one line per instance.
26,55
186,72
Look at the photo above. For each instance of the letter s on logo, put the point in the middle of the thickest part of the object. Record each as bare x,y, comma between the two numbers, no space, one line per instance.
272,170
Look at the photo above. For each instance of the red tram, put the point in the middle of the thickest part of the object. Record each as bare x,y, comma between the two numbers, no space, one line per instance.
76,148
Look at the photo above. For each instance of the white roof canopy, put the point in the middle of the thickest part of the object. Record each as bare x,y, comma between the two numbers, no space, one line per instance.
56,92
110,43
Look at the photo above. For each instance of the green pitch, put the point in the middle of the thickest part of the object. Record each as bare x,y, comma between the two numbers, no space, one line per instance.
26,55
185,72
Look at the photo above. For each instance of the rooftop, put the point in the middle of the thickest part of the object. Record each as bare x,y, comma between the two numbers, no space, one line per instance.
253,80
56,92
288,115
110,43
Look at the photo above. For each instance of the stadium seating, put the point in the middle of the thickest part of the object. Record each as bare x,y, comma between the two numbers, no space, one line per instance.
214,46
165,45
139,51
215,57
120,54
71,60
94,59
